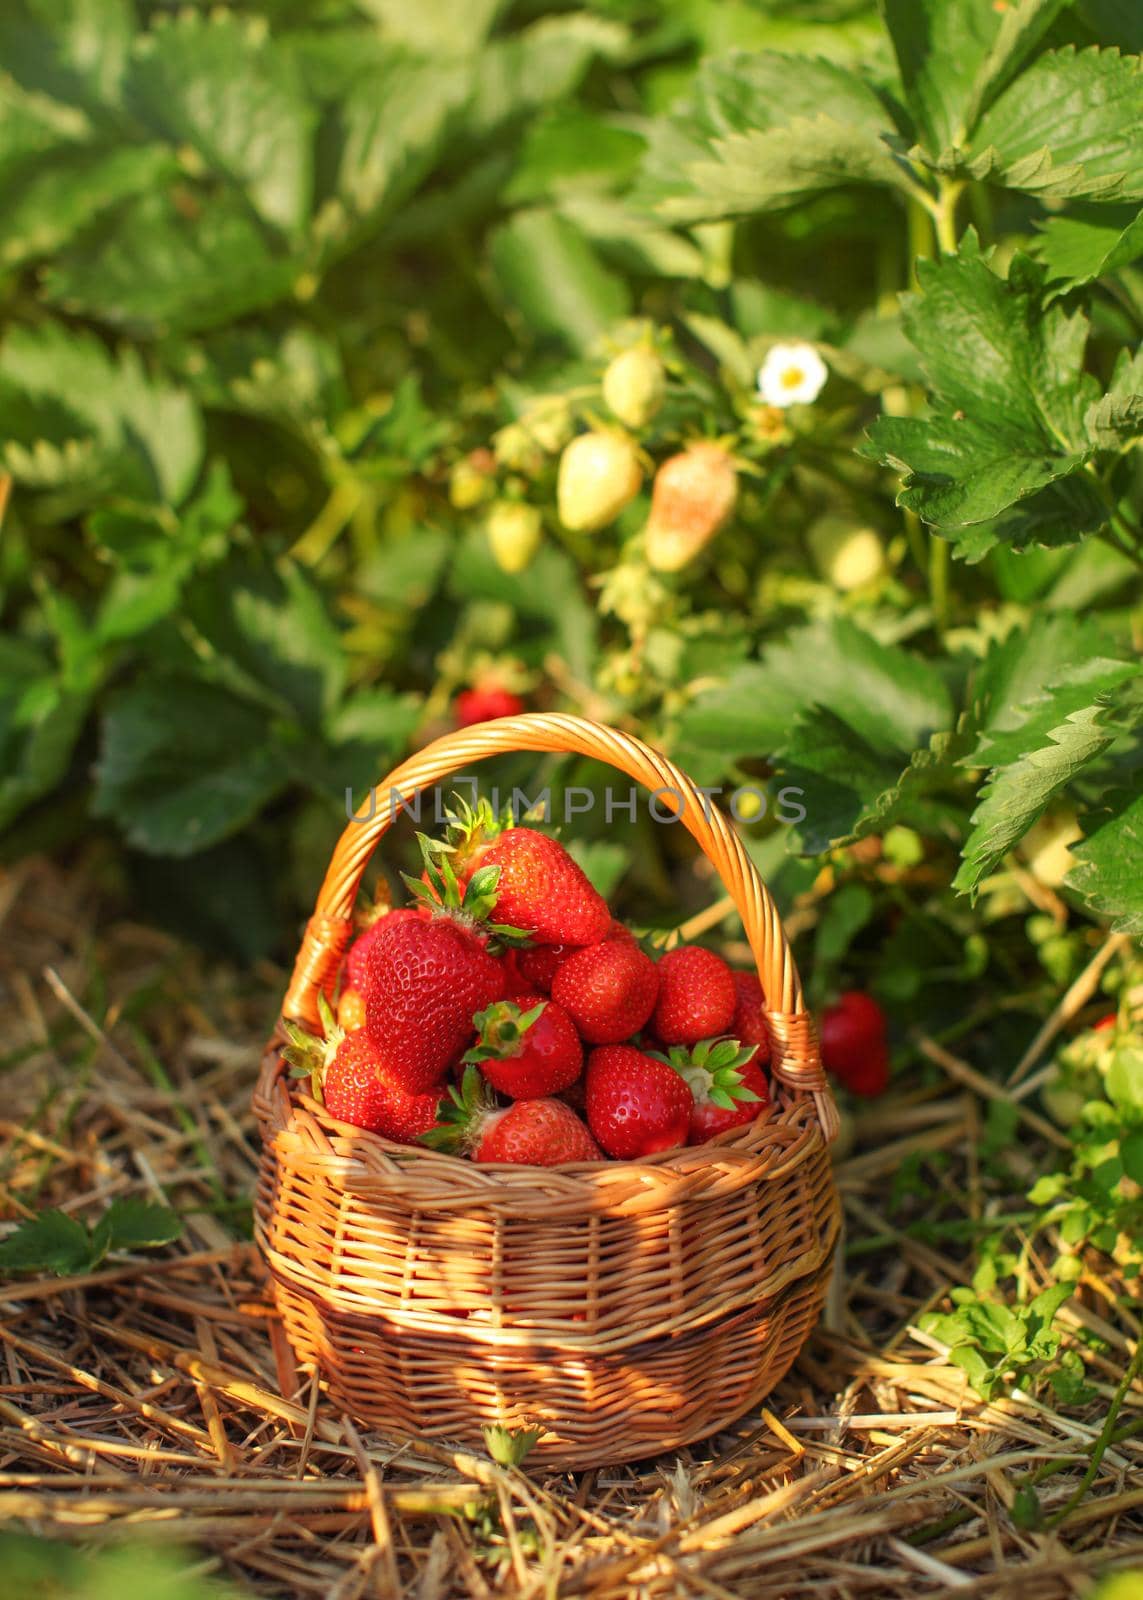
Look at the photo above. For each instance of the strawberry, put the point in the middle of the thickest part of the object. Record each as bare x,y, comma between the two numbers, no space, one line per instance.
608,990
853,1041
539,963
748,1024
693,496
636,1104
634,386
350,1075
472,480
484,702
530,1133
728,1086
696,996
527,1047
357,956
1105,1024
846,552
599,474
539,888
514,533
427,977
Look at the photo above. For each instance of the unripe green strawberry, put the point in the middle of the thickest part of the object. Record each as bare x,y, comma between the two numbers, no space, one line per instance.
599,475
514,533
470,481
548,420
694,494
846,552
634,386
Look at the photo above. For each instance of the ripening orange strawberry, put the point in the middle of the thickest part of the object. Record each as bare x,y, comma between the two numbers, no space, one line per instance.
693,496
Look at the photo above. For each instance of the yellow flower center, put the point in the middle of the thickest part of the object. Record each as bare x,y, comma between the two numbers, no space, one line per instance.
792,378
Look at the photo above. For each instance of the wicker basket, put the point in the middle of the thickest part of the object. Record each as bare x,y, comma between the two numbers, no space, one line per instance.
625,1307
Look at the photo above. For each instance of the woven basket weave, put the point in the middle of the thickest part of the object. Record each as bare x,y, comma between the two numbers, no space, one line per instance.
625,1307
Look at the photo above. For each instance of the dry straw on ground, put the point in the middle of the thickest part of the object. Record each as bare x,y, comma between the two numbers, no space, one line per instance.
152,1399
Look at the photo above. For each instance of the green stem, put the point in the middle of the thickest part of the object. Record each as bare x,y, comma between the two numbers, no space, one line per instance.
944,214
939,581
1134,1368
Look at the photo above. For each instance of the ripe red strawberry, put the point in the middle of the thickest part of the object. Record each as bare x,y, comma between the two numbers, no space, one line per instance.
1106,1023
871,1076
539,963
636,1105
748,1024
484,703
696,996
426,981
853,1041
357,956
540,888
527,1047
350,1075
532,1133
728,1085
608,990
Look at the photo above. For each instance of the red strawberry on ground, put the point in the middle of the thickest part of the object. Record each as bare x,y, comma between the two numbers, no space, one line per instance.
608,990
853,1042
748,1024
527,1047
636,1105
728,1085
540,888
484,703
696,996
349,1074
531,1133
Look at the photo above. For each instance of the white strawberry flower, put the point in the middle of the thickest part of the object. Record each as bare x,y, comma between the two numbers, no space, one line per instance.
791,375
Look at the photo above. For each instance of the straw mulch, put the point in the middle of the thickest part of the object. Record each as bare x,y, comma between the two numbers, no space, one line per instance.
151,1399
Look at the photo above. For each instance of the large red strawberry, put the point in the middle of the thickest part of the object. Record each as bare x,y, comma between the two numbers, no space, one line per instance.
484,703
527,1047
608,990
539,963
357,956
728,1085
748,1024
696,996
426,981
540,888
532,1133
349,1074
636,1105
853,1042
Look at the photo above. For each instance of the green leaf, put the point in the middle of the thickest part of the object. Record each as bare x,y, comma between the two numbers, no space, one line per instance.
218,84
1114,22
49,1242
183,764
149,433
1087,242
1016,795
1009,395
540,65
41,715
764,129
70,188
844,914
550,274
893,700
1131,1154
1117,419
140,1225
943,48
435,26
72,50
171,261
1107,874
273,631
1066,128
1022,27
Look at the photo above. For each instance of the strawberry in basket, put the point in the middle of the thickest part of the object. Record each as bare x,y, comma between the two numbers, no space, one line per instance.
426,978
357,1085
727,1084
539,888
531,1133
527,1047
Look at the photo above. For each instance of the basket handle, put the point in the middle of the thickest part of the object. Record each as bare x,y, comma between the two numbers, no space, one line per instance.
795,1058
